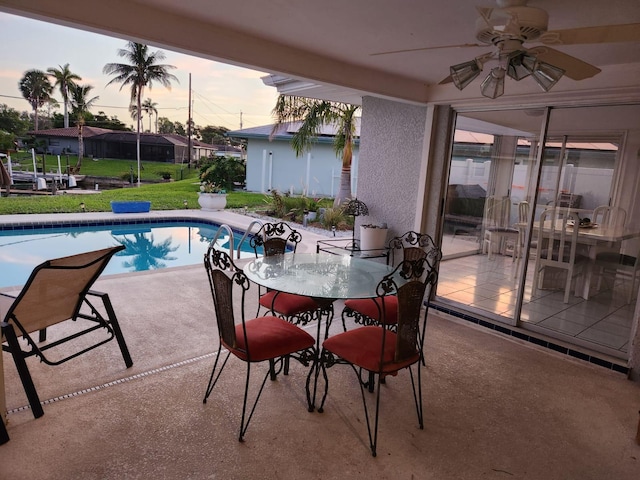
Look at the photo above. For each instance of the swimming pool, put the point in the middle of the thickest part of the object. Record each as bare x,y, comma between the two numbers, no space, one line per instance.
149,245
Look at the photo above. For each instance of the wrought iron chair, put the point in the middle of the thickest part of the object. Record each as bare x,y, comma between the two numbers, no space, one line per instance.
379,351
59,290
297,309
368,311
260,339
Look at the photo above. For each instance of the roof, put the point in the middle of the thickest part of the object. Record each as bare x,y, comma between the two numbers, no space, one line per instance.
71,132
125,136
286,132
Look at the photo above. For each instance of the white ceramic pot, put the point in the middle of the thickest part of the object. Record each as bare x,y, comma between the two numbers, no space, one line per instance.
372,240
212,201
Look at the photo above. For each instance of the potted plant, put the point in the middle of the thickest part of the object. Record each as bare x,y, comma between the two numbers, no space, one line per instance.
373,238
211,196
217,176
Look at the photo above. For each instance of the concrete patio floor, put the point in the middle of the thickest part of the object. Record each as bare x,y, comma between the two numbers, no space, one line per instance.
494,408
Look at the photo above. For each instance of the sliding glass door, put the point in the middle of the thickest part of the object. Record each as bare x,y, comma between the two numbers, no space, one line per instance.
500,183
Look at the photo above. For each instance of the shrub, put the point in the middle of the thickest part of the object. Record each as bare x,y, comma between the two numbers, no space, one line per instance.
224,172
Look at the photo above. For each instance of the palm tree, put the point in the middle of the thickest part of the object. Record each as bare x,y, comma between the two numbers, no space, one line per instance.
36,89
149,106
80,104
65,81
313,115
141,71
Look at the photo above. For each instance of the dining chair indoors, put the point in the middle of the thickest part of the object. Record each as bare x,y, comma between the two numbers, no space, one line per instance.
609,216
558,248
619,264
252,340
274,238
611,219
496,226
56,291
376,352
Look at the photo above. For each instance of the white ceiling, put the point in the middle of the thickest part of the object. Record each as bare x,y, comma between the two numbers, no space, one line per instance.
331,42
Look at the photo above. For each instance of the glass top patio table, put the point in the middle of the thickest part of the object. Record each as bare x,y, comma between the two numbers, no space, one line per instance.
319,275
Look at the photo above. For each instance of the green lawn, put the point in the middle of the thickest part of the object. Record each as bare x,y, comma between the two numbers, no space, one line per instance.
163,196
150,171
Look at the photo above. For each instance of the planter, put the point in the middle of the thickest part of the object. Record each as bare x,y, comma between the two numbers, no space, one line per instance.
212,201
130,207
373,240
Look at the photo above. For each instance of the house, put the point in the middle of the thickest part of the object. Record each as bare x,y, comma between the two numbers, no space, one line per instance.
106,143
272,163
537,75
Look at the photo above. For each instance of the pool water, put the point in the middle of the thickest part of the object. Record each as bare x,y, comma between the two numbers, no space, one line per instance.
148,246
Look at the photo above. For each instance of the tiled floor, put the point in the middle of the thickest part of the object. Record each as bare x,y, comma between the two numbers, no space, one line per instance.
490,287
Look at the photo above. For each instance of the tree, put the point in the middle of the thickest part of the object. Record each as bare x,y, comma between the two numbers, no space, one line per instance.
12,121
214,135
81,104
65,81
81,101
313,115
149,107
101,120
36,89
165,125
141,71
179,128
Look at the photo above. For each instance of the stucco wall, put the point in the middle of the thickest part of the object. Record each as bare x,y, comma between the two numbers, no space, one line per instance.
391,150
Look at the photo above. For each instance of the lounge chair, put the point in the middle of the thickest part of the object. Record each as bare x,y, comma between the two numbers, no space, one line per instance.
59,290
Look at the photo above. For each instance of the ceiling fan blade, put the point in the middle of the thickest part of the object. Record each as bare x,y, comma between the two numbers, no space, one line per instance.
573,67
420,49
449,79
629,32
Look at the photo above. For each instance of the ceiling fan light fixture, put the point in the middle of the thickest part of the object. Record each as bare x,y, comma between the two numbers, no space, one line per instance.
515,68
464,73
545,74
493,85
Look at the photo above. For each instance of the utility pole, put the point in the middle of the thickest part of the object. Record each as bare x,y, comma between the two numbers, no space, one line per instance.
240,119
189,126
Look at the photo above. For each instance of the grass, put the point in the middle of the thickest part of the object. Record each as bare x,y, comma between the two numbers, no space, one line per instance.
163,195
113,168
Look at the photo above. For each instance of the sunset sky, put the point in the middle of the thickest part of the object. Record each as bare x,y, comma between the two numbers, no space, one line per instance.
220,92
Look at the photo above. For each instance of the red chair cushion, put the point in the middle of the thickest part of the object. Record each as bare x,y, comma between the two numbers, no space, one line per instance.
371,307
362,347
269,337
288,303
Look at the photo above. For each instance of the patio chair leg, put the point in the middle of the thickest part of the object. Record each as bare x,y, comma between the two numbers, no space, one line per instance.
115,325
4,435
23,371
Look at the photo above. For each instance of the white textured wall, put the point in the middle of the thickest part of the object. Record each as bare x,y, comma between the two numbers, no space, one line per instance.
391,149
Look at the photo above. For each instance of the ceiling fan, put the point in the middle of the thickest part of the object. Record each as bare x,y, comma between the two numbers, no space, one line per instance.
508,28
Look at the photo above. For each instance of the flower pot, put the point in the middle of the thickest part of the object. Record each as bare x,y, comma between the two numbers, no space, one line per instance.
212,201
373,240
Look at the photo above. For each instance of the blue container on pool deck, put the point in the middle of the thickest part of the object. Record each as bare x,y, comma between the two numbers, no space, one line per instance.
130,207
